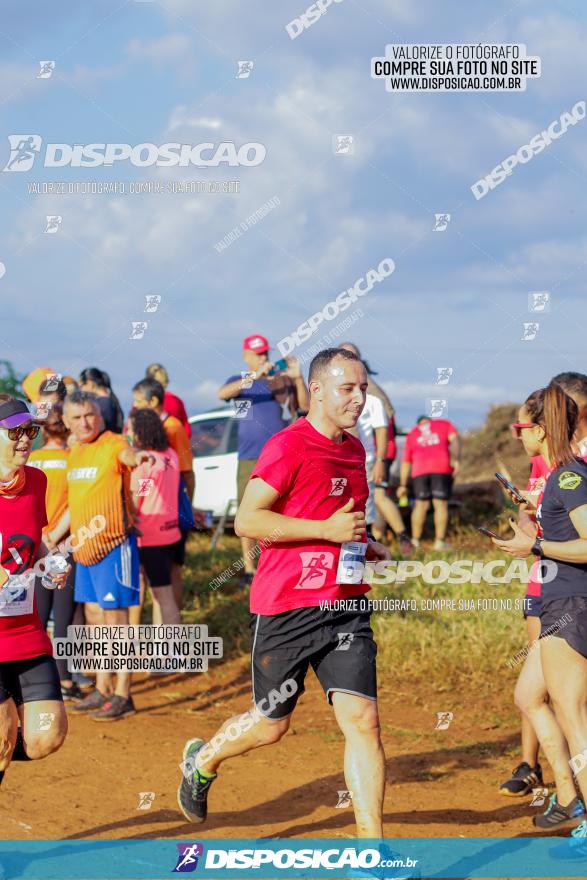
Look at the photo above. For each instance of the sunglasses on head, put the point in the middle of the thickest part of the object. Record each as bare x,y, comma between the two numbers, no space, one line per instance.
16,433
518,427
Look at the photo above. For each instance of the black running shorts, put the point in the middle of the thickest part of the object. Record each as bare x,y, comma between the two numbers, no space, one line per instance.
156,563
338,645
566,618
428,486
29,681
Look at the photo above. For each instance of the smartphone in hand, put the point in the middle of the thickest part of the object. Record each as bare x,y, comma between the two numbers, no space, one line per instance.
278,367
511,488
485,531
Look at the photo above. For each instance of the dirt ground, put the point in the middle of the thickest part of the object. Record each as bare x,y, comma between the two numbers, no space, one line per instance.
441,783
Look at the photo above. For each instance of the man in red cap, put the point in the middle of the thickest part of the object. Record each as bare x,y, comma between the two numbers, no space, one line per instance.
263,396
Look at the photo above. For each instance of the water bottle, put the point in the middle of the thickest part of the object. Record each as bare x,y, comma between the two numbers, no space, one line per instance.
54,564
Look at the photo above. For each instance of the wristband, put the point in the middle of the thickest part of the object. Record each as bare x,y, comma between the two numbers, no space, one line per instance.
537,548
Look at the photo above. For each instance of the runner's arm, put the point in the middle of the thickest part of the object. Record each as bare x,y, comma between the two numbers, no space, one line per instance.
255,519
454,446
404,476
230,389
189,479
60,530
380,450
570,551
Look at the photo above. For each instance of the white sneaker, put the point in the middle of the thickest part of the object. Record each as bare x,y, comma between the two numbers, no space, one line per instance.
441,545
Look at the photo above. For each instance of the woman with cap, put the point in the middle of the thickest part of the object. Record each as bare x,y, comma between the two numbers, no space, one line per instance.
33,722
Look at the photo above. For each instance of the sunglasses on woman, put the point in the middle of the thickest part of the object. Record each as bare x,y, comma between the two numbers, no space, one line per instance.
518,427
16,433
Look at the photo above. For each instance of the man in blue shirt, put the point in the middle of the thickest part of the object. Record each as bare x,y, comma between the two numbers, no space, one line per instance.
263,404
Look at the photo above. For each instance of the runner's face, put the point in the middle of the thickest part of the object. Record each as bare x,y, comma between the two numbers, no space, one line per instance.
342,390
14,453
530,437
139,401
84,421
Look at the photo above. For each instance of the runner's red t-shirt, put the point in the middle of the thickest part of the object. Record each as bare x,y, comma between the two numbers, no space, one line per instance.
22,518
427,447
315,477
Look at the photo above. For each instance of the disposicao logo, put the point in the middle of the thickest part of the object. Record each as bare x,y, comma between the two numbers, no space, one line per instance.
24,149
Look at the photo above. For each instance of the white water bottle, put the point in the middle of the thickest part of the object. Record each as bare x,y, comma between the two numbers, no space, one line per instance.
54,564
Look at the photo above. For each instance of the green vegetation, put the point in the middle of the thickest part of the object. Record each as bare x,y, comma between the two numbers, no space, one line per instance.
9,380
447,650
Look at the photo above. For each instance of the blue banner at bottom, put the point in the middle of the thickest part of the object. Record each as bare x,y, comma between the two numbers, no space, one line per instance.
283,858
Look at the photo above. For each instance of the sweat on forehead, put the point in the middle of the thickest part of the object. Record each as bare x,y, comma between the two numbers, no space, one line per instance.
327,359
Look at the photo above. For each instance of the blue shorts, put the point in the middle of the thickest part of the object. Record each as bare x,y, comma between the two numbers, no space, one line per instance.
114,581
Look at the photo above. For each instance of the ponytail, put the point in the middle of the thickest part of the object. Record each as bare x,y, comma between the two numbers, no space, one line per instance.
557,413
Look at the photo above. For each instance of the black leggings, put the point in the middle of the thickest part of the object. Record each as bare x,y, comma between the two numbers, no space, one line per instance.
63,605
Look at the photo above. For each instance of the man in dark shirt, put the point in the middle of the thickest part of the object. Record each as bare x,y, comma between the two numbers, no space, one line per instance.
262,403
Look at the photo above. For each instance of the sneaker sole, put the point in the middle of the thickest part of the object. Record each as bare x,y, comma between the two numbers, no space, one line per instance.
568,823
190,816
114,717
525,793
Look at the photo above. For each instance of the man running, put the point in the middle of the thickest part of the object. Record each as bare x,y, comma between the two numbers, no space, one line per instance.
305,499
431,453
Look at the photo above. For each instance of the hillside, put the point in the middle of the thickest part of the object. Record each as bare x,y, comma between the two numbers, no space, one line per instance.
492,447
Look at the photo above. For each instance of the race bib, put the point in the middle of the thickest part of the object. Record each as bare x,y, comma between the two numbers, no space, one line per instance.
16,598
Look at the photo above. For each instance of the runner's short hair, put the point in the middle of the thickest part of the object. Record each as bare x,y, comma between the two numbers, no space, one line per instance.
79,398
158,371
573,383
150,388
325,357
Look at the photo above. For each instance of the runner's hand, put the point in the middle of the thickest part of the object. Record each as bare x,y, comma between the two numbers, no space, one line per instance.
345,525
142,457
376,550
401,491
294,371
60,580
527,506
520,545
263,370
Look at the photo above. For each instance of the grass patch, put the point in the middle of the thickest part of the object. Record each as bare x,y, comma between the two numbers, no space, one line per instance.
446,650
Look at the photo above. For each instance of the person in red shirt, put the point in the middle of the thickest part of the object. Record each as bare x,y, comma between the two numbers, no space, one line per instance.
172,404
305,503
30,689
431,453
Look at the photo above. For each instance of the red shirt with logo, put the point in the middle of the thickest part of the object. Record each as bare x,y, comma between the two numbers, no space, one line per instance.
315,477
22,519
427,447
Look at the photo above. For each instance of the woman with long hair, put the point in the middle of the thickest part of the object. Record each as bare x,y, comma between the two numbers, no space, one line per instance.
33,722
547,422
155,492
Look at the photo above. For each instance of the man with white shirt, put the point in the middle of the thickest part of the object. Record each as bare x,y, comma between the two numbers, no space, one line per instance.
372,428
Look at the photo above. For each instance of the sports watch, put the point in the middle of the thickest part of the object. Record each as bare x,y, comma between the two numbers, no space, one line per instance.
537,547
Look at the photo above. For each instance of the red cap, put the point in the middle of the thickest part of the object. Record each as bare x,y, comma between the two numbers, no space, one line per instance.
255,343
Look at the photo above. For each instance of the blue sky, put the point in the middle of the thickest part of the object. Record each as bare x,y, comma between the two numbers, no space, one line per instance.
153,72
